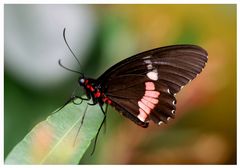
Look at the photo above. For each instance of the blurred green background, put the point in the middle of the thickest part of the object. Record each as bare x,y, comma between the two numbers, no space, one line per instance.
204,130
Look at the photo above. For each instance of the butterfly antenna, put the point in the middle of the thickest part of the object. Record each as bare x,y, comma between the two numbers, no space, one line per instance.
64,37
59,62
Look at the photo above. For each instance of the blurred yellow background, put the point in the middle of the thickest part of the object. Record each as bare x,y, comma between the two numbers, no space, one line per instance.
204,130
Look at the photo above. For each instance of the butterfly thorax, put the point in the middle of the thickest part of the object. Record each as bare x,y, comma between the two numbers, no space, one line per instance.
93,91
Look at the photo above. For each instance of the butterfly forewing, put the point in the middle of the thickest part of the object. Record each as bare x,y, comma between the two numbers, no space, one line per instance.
142,87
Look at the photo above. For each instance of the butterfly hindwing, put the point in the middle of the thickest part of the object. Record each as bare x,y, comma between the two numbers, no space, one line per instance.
137,97
142,87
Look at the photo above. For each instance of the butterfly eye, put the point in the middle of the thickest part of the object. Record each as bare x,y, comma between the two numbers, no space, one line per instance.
81,81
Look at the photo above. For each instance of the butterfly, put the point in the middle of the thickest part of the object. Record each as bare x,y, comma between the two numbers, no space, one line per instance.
143,87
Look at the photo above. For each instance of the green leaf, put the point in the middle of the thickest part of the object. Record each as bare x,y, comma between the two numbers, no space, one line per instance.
52,140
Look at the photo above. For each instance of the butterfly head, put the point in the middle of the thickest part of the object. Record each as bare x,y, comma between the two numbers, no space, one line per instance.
81,80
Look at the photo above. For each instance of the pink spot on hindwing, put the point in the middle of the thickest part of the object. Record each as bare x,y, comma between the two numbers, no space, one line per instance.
153,94
142,115
144,107
148,102
151,99
149,86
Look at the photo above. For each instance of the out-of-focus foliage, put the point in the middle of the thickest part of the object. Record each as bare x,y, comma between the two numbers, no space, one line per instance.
204,130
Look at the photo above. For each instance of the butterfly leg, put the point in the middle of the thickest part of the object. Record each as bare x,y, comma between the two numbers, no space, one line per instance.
99,129
81,98
105,123
92,104
72,99
95,141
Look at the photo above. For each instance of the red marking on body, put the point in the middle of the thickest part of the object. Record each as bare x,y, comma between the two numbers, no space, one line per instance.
107,100
97,94
86,81
90,87
149,86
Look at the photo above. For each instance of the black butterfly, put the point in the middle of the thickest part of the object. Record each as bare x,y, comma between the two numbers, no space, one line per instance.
143,87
